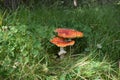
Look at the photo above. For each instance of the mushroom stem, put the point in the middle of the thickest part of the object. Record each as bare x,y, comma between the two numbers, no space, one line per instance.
69,39
62,51
75,3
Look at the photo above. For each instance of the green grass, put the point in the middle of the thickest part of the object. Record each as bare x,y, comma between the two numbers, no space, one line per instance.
27,54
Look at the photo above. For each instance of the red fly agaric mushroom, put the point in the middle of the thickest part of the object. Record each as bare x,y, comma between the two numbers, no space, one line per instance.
60,42
68,33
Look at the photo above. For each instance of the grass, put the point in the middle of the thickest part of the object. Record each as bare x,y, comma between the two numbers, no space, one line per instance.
27,54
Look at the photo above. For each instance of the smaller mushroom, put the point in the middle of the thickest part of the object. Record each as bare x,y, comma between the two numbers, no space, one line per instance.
61,42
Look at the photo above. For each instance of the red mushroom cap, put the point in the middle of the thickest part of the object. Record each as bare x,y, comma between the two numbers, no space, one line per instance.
68,33
60,42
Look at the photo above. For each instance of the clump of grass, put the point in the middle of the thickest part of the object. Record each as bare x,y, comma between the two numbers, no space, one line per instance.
86,68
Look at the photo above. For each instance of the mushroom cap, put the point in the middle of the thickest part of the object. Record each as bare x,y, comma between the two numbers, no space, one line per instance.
68,33
60,42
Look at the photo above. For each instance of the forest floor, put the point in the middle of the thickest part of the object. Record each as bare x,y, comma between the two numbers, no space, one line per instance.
27,54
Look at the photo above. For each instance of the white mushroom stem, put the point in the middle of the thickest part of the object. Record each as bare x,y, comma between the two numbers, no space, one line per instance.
62,51
75,3
69,39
